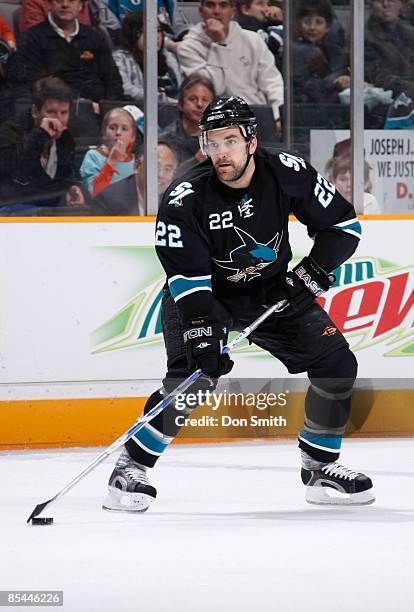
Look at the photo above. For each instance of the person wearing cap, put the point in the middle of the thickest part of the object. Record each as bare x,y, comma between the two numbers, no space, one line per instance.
222,237
236,60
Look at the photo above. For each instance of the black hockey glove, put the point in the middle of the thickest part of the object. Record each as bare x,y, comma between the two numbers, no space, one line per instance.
204,341
300,287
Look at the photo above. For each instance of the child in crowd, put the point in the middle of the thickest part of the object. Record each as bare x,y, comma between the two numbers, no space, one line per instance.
267,20
321,63
114,160
130,61
338,170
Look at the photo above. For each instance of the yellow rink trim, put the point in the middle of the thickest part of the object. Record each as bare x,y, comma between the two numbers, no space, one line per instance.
151,219
98,422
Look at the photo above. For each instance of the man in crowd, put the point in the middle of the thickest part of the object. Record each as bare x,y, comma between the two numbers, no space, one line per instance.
389,48
36,154
62,47
233,58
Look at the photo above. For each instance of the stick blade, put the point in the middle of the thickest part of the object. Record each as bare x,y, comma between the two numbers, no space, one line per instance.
39,508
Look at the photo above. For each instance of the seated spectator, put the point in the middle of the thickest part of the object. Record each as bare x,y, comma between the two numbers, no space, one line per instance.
130,61
195,94
127,197
407,11
7,47
339,172
389,48
33,12
114,160
75,53
36,154
321,66
235,60
266,20
7,35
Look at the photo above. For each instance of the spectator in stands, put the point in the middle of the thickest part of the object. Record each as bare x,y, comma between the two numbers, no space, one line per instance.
7,47
407,11
321,64
7,35
259,16
114,160
36,155
195,94
130,61
33,12
339,172
236,60
167,166
169,14
389,48
127,196
62,47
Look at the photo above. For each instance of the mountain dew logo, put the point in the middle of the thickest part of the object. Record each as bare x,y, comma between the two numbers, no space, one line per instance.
371,302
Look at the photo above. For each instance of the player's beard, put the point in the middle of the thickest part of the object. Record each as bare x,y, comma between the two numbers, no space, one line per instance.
230,175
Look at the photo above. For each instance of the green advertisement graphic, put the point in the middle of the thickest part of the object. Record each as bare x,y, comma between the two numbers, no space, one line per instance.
382,288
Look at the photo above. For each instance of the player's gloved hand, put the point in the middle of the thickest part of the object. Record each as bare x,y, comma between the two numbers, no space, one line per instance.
300,287
204,341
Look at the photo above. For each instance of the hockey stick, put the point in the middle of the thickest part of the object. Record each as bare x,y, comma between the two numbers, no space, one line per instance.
143,420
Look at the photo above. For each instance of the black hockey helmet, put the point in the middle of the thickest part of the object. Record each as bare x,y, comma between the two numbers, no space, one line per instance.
225,112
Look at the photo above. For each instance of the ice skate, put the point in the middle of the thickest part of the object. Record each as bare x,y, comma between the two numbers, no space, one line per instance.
128,488
337,485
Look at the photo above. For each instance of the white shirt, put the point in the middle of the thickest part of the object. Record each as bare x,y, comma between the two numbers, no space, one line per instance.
60,32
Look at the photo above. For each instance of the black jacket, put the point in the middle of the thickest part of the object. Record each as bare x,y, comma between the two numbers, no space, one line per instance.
22,177
85,63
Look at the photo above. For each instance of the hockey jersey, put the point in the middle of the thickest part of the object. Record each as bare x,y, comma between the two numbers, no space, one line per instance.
215,240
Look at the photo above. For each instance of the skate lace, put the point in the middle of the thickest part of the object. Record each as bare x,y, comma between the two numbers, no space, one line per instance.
335,469
136,475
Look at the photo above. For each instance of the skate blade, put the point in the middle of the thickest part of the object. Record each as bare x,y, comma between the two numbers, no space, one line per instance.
328,496
119,501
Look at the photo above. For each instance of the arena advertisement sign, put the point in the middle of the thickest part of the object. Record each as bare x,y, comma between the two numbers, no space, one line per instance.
388,171
86,307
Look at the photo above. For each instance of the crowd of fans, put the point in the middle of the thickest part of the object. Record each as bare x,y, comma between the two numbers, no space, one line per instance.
69,53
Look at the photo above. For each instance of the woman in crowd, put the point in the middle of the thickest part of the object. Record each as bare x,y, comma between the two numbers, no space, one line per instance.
195,94
114,159
130,61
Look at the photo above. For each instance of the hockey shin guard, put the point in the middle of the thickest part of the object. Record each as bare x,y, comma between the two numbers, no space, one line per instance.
327,406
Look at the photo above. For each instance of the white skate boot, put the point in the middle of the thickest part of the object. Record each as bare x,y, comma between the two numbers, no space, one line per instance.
334,484
128,488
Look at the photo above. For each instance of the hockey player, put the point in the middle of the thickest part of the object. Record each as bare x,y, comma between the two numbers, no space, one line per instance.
222,238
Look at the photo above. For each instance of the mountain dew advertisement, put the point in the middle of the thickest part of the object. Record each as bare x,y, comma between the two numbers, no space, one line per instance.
370,302
81,307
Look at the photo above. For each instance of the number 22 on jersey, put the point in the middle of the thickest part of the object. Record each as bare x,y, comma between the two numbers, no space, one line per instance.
168,235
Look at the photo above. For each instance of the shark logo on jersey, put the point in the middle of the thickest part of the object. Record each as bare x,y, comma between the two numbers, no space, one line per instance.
250,257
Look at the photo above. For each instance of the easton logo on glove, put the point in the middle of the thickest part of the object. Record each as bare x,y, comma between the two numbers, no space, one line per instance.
207,355
300,287
307,279
197,332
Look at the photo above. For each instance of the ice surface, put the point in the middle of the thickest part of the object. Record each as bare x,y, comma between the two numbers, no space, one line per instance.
230,532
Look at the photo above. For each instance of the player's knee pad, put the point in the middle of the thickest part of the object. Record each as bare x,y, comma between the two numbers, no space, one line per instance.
336,372
328,401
